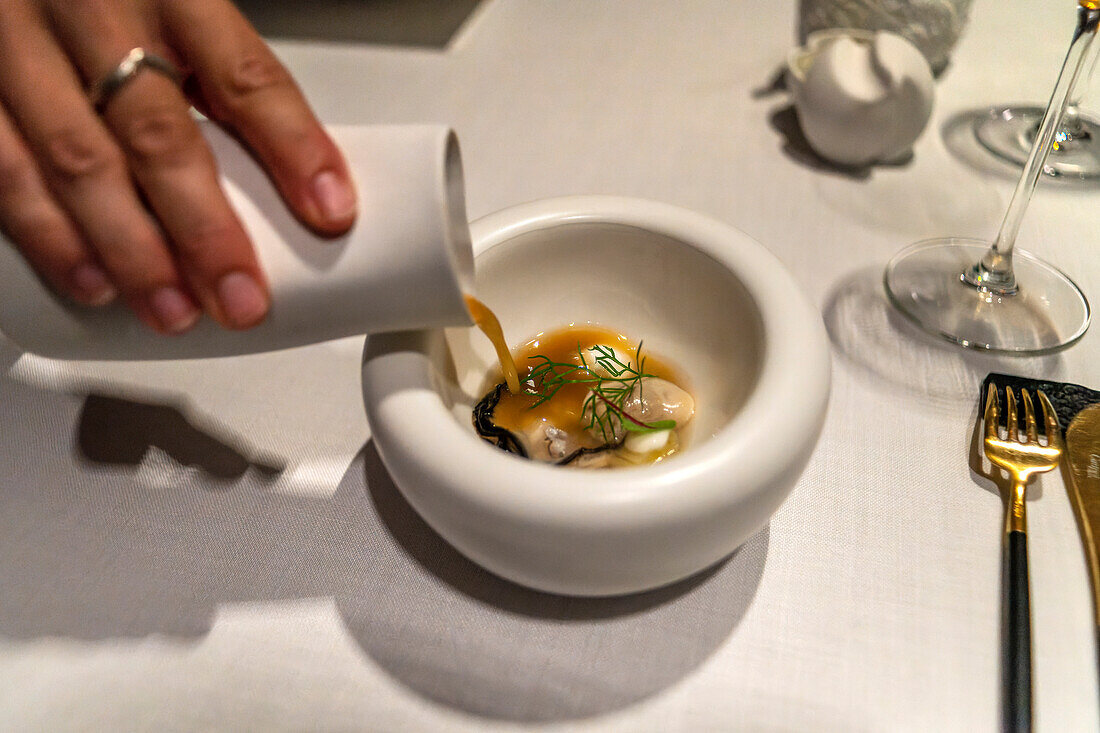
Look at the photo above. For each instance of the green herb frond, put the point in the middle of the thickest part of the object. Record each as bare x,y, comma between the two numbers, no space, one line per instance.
547,377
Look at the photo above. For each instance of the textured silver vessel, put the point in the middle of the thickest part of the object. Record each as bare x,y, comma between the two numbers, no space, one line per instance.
933,26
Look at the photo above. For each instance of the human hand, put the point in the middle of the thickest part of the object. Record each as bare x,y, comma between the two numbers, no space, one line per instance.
126,203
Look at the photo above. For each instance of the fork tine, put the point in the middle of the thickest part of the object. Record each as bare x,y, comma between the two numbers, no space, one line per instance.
1054,432
991,412
1029,418
1010,414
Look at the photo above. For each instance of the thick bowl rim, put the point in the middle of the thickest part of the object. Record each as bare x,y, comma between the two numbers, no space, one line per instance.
760,444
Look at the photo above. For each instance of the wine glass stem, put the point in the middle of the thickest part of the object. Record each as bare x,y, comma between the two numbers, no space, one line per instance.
994,270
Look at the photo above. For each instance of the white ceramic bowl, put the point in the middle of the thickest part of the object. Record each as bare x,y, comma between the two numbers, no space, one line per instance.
700,294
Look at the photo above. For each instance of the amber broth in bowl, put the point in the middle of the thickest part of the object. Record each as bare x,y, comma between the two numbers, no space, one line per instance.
579,397
583,415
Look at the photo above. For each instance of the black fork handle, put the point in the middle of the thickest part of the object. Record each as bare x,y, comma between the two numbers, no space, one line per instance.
1016,649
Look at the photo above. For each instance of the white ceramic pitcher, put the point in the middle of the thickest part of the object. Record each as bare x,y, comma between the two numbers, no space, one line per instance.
405,264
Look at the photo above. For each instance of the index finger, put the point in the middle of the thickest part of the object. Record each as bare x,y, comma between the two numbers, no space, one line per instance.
169,160
245,87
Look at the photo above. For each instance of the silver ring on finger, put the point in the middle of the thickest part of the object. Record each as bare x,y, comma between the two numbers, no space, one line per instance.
137,59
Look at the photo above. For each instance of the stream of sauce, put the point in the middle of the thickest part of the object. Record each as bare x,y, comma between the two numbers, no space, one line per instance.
487,321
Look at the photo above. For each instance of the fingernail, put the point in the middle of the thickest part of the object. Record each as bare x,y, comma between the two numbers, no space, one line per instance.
92,285
335,197
242,299
174,310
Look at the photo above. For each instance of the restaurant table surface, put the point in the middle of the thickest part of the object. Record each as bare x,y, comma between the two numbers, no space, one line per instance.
216,545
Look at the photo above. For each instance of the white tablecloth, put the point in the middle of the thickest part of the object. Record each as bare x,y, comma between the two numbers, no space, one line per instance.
216,546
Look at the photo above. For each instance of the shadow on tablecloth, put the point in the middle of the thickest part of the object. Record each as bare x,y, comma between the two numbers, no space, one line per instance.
871,335
417,23
118,431
104,539
490,647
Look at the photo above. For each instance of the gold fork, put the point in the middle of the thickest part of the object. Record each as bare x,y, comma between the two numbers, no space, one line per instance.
1022,461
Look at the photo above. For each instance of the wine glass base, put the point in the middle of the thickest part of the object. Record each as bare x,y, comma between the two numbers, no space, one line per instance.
1009,132
924,282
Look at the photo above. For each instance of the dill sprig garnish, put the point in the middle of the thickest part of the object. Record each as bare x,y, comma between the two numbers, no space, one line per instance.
611,392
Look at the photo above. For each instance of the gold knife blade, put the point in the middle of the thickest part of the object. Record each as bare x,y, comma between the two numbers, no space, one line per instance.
1083,460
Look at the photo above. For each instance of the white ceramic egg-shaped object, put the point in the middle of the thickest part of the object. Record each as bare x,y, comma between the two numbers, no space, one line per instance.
862,97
